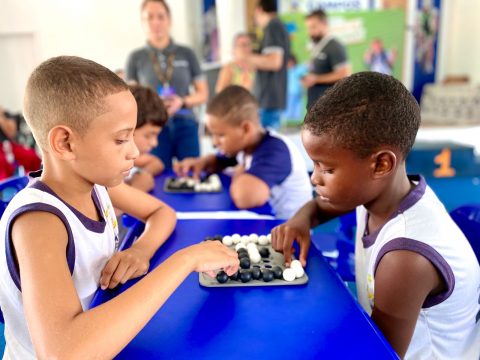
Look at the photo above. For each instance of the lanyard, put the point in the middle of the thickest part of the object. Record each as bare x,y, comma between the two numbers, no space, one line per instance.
163,77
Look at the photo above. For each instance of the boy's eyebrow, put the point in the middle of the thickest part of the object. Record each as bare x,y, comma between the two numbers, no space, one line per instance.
124,130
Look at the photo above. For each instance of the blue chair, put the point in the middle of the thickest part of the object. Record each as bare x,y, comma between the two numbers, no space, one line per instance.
8,189
467,217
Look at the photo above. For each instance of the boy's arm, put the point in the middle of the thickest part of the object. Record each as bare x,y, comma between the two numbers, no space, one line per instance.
313,213
196,165
150,163
58,326
142,180
403,280
248,191
160,222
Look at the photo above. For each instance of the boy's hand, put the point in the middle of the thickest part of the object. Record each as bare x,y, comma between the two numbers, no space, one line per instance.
211,256
284,235
143,180
309,80
123,266
195,165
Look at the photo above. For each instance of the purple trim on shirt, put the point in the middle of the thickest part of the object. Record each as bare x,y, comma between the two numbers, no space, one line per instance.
411,199
430,254
90,224
12,264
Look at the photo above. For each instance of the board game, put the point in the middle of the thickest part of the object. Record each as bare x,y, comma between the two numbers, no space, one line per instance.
260,264
208,184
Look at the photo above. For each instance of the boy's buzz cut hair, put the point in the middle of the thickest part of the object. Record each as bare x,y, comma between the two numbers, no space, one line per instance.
366,111
234,104
150,108
70,91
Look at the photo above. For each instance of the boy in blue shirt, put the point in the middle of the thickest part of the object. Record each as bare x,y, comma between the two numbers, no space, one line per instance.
416,273
268,166
61,233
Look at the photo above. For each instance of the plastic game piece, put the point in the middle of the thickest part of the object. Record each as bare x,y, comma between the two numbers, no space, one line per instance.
253,238
264,252
289,274
240,246
236,238
245,263
256,273
222,277
227,240
277,272
245,276
244,239
235,276
262,240
267,275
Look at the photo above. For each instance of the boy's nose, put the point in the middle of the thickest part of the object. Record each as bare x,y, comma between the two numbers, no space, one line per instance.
134,152
316,178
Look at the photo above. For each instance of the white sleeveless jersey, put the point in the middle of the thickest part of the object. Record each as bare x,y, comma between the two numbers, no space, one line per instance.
90,245
448,326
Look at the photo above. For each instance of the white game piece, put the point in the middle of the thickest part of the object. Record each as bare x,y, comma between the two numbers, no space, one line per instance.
288,274
207,187
299,272
197,187
252,246
214,179
227,240
236,238
215,187
190,182
296,263
269,238
245,239
262,240
253,238
240,246
255,257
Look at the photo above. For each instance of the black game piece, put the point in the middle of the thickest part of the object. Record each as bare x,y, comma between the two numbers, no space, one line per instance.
264,252
277,272
222,277
242,251
235,276
218,237
267,275
208,238
256,273
245,263
245,276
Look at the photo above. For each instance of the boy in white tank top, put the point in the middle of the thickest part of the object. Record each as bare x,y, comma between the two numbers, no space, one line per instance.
61,239
416,273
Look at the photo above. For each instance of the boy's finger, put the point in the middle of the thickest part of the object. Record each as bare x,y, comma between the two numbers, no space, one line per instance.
118,274
304,247
108,271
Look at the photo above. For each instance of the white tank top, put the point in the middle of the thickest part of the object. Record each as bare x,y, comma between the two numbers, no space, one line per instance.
90,245
448,326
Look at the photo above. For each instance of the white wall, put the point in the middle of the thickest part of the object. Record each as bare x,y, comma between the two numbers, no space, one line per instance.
461,44
104,31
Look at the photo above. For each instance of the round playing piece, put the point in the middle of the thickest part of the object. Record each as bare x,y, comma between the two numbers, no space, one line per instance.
245,263
288,274
264,252
296,263
256,273
227,240
262,240
236,238
299,272
267,275
277,272
245,276
222,277
240,246
235,276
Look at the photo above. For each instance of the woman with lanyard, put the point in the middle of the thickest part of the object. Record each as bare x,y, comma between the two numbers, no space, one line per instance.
170,69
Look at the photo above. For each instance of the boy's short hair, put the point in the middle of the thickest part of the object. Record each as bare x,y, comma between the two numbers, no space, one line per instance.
234,104
268,6
319,14
365,111
151,109
70,91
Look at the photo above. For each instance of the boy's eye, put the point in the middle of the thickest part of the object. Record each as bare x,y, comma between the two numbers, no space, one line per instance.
120,142
327,171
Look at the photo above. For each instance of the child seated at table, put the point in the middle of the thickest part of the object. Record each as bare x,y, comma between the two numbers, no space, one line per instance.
151,117
268,166
416,273
60,232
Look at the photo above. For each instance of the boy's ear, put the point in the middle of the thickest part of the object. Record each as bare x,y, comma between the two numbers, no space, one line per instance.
246,126
60,141
384,163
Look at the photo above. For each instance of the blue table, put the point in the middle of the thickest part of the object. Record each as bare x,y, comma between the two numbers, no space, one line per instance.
190,202
319,320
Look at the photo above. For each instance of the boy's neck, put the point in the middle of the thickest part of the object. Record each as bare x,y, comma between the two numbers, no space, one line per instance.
255,140
389,201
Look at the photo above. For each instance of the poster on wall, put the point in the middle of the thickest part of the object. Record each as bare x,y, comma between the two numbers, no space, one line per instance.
426,41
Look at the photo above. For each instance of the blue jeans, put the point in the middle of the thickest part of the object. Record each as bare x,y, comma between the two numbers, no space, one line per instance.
179,139
271,118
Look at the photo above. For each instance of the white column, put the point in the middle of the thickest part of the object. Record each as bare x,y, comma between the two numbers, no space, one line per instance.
231,20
